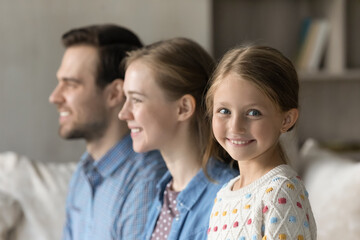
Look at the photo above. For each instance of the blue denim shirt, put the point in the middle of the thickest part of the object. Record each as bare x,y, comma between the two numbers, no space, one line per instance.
194,203
110,198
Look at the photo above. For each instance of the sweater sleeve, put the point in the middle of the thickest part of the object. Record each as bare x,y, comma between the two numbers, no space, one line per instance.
286,211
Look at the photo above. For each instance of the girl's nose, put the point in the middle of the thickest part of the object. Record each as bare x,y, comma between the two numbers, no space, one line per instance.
238,124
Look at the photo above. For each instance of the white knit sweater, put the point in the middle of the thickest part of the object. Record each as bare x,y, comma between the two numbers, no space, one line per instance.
276,206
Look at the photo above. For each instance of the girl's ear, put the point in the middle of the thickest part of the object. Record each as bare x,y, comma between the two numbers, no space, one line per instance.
186,107
290,118
114,92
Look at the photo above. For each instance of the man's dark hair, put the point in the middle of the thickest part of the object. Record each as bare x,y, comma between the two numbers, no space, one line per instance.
112,43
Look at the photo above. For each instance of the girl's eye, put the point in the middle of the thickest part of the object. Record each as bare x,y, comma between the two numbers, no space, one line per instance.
254,113
224,111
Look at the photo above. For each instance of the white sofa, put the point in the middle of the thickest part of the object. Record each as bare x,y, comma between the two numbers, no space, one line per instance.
32,193
333,183
32,197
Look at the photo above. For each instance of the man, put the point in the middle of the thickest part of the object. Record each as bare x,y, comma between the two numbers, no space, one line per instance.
113,187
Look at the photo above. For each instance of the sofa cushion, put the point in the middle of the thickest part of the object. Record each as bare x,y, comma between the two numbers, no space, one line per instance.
333,183
40,189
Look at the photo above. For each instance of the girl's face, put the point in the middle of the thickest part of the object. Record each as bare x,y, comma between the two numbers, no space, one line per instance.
246,123
149,115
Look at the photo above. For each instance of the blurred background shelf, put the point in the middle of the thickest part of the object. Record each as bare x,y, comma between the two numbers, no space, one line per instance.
324,76
278,23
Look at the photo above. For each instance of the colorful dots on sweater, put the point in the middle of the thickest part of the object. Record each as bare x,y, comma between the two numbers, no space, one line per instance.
282,236
271,211
291,186
265,209
292,219
273,220
276,179
236,224
306,224
247,196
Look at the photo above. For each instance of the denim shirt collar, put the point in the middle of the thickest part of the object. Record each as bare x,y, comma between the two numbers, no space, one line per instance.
111,160
194,188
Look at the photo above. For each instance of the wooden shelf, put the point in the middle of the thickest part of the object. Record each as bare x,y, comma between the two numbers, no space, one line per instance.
347,75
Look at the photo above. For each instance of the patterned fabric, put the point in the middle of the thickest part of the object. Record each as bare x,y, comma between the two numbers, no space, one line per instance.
276,206
110,198
168,213
194,203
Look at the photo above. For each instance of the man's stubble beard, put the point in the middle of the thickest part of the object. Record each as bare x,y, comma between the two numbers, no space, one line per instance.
88,132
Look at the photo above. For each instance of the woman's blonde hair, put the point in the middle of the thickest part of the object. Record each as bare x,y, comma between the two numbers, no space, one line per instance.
181,66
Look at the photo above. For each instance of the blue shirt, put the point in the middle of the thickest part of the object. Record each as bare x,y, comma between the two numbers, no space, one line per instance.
110,198
194,203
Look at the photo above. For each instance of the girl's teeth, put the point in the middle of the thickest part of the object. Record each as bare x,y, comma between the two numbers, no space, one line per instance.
239,142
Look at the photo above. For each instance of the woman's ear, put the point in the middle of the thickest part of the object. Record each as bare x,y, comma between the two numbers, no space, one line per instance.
290,118
115,93
186,107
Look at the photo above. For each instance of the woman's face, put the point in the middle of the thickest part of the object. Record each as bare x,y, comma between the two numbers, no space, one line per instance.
150,116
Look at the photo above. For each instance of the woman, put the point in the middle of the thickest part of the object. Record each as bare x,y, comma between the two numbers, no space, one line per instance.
165,84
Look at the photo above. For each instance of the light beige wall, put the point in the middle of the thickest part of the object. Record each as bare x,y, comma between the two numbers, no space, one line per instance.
30,52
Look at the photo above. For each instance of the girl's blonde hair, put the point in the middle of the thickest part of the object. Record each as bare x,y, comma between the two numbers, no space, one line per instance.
268,69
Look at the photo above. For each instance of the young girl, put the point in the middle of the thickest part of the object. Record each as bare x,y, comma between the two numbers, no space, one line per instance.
164,87
252,100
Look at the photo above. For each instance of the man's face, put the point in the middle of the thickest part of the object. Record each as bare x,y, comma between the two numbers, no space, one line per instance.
81,104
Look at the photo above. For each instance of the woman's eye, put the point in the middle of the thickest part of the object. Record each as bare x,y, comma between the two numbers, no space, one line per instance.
254,113
224,111
135,100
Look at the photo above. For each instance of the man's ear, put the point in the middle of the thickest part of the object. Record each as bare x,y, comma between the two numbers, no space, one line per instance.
115,93
186,107
290,118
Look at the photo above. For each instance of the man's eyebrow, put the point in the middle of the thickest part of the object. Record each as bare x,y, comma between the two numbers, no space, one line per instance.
66,79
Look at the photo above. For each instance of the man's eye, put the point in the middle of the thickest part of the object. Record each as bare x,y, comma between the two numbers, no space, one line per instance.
224,111
254,113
